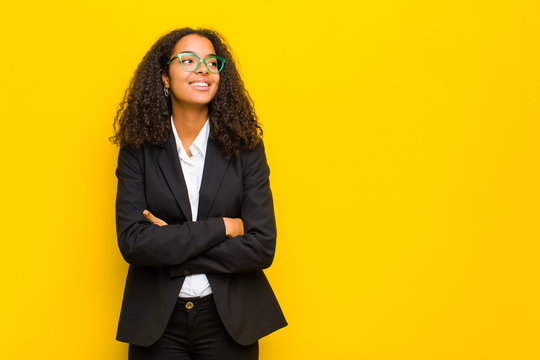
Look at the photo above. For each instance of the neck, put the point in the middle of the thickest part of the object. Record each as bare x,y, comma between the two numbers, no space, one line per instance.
189,119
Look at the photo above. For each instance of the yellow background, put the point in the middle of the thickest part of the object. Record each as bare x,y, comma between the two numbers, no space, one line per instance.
402,138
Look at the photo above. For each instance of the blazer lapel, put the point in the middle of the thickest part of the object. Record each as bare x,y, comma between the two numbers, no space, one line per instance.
215,165
172,171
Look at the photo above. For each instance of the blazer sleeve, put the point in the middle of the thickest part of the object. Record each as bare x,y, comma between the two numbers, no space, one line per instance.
147,244
255,249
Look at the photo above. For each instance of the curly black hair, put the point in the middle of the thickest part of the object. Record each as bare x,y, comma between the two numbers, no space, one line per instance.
144,113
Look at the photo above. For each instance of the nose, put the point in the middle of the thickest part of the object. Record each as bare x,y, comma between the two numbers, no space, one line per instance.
202,69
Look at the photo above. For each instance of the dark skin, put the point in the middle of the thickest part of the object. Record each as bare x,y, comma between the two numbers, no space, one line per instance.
190,106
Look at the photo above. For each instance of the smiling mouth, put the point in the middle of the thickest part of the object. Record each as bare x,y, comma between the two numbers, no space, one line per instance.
201,84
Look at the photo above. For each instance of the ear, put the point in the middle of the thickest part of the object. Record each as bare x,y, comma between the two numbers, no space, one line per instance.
164,78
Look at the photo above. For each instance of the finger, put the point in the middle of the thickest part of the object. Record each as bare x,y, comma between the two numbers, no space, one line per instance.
151,217
147,214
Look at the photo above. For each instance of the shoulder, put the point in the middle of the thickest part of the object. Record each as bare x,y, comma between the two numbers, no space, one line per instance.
258,150
139,149
134,156
254,159
131,153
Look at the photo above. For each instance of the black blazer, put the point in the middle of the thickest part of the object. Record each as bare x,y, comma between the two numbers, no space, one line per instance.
150,177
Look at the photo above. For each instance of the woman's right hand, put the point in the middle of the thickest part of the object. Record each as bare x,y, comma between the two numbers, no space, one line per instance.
233,226
155,220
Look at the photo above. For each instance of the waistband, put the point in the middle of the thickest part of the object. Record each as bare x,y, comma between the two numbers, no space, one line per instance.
196,301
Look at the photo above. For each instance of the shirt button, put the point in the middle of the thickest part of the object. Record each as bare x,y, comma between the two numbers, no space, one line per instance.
189,305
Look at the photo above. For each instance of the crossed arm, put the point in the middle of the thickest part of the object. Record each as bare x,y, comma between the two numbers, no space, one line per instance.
214,245
233,226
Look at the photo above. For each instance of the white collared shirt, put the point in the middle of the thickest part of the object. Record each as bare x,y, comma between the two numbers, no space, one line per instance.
192,167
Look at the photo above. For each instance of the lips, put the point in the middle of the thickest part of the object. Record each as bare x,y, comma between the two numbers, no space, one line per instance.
199,84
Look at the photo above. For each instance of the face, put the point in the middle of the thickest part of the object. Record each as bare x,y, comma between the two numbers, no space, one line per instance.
188,87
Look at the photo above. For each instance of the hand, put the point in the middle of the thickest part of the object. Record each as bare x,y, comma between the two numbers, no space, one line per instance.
155,220
233,226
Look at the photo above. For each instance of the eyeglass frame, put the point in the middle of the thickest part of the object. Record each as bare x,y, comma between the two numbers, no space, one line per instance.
179,56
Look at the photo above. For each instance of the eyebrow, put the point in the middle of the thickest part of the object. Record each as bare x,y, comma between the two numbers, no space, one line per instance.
193,52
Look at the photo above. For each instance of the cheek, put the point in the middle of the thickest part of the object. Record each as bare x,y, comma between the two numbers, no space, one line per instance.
180,79
216,81
177,75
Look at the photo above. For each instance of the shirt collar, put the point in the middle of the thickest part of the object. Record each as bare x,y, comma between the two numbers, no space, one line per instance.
199,144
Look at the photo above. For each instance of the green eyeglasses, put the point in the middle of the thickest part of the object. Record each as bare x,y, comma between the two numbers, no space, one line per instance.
191,62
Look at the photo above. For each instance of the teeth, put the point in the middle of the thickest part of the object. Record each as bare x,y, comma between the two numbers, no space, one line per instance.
199,84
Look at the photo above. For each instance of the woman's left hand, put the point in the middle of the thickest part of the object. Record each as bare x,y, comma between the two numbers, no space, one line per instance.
155,220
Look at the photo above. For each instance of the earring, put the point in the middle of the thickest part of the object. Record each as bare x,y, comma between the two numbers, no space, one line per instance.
166,91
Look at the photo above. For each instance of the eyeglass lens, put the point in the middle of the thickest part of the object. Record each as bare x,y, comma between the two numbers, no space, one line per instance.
190,62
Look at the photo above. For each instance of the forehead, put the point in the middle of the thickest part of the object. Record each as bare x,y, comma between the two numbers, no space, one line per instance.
195,43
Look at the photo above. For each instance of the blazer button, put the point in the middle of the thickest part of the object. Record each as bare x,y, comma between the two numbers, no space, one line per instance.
187,272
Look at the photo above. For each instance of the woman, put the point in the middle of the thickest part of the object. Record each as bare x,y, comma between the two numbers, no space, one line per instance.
194,210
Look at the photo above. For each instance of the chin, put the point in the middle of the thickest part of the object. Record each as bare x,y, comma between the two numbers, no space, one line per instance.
202,100
195,100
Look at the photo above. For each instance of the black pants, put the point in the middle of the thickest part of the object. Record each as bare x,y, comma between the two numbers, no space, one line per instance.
195,332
